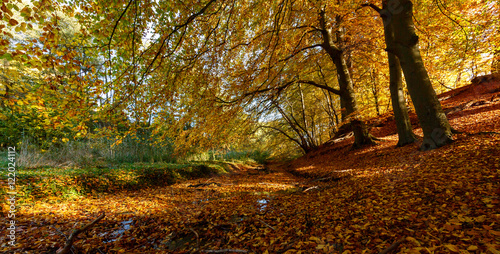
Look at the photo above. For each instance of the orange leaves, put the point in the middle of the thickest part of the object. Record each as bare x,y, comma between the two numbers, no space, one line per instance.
13,22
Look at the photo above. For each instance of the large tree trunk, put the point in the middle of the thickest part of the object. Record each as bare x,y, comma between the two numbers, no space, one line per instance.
403,124
435,125
348,97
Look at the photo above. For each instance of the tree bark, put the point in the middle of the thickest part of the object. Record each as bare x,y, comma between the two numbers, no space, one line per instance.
361,134
435,125
347,96
401,117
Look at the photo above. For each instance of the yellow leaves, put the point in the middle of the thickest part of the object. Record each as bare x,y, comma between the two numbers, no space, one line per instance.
117,142
480,219
492,249
21,28
411,239
26,11
488,201
315,239
472,248
452,247
325,247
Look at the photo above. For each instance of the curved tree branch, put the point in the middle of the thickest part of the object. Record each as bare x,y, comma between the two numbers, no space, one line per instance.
114,29
376,8
330,89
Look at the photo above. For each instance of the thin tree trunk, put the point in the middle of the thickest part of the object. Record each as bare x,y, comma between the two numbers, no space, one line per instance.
435,125
401,117
347,97
375,92
361,135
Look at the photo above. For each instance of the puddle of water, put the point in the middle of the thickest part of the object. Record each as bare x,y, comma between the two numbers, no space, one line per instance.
200,201
126,225
262,203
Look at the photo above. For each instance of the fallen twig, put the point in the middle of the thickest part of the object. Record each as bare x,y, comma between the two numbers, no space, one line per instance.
204,184
269,226
311,188
394,246
224,251
69,242
60,232
197,238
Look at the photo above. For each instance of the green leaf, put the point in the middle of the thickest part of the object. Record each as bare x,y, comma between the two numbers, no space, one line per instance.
6,56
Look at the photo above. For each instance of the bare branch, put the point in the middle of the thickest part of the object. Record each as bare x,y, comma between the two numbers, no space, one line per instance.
300,50
374,7
284,134
330,89
114,28
258,91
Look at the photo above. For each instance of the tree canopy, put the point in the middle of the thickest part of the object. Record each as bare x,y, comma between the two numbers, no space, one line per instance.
209,73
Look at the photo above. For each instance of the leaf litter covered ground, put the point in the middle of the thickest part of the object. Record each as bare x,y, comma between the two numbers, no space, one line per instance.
334,200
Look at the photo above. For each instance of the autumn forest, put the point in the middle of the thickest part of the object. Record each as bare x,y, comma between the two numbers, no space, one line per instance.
249,126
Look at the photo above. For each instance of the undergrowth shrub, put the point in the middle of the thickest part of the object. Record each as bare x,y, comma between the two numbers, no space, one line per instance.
67,183
92,153
255,156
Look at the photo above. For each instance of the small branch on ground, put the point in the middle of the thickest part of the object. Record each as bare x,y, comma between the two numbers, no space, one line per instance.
393,247
60,232
197,238
267,225
204,185
311,188
69,242
224,251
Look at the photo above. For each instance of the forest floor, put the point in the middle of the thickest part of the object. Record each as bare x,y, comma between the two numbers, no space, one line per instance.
377,199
